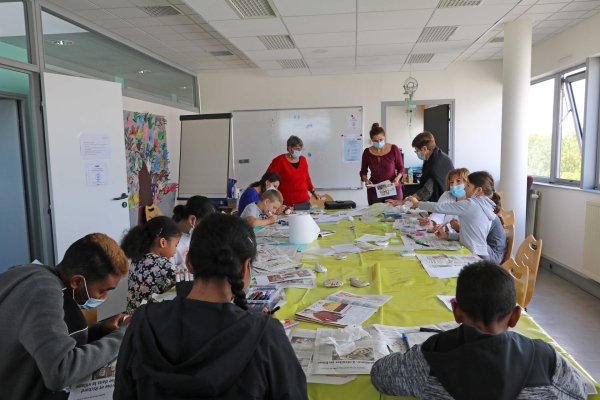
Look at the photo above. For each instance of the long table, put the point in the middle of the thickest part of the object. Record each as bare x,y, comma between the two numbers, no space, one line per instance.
414,301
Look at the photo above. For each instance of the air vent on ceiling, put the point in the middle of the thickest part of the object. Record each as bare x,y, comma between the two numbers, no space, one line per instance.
277,42
497,39
253,8
293,64
160,11
459,3
221,53
437,33
419,58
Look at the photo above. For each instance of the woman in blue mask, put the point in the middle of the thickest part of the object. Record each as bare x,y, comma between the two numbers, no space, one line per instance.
455,191
385,163
292,167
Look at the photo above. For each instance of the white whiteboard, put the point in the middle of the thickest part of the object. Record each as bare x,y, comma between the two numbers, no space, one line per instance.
260,136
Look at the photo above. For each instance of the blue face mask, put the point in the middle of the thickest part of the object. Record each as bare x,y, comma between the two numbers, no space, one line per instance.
297,153
458,191
91,302
420,156
379,145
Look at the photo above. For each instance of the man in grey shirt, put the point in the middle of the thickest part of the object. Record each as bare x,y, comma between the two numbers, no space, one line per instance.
46,344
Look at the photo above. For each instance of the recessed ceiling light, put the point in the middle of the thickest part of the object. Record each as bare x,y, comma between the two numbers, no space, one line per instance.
144,71
63,42
184,87
320,51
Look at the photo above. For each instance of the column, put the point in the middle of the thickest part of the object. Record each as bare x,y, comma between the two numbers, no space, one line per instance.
515,103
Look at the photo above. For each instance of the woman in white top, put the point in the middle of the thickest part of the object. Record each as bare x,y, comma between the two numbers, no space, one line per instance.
188,217
455,191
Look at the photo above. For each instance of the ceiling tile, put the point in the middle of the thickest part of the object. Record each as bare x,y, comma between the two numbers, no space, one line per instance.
144,22
113,23
471,32
321,23
426,67
384,49
176,20
544,31
185,9
378,68
445,57
575,22
389,36
567,15
479,15
150,2
441,47
213,10
197,54
95,15
518,10
331,52
234,62
206,42
333,70
545,8
181,44
224,42
206,58
581,6
216,35
75,5
325,39
535,17
479,57
287,8
331,62
206,27
248,43
395,5
462,57
132,12
127,31
266,55
169,37
553,24
590,13
196,35
381,60
250,27
214,48
186,28
269,64
112,3
289,72
513,2
376,21
157,30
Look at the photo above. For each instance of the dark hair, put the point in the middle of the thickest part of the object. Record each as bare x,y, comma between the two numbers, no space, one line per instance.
219,246
485,181
424,139
198,206
138,240
95,256
268,176
486,292
294,140
376,130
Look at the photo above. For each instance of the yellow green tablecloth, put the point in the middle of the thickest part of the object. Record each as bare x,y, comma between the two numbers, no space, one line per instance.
414,301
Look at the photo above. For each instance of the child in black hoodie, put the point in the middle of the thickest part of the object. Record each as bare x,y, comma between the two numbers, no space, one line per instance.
205,346
480,359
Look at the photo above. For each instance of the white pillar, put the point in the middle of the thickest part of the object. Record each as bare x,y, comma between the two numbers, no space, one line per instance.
515,102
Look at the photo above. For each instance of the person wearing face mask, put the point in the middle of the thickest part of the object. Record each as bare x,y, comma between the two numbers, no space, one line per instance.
188,217
46,344
455,191
292,167
269,181
385,163
478,216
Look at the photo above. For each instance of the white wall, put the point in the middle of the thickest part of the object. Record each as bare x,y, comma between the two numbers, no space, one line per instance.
397,132
476,87
561,213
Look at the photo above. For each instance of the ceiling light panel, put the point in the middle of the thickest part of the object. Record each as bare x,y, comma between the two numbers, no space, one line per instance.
437,33
277,42
220,53
160,11
253,8
419,58
459,3
292,64
497,40
288,8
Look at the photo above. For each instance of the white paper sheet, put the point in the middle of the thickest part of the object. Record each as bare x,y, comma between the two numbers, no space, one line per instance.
447,300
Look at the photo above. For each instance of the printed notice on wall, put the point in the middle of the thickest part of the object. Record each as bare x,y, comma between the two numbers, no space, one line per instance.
98,385
94,147
97,174
353,122
352,149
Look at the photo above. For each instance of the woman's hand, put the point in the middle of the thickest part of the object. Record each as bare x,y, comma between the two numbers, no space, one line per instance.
425,222
316,195
368,182
396,180
413,200
395,202
441,233
455,224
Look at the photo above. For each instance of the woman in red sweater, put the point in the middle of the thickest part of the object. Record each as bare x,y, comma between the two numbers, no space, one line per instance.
292,167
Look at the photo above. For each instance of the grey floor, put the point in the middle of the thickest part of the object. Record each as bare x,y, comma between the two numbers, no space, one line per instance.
571,316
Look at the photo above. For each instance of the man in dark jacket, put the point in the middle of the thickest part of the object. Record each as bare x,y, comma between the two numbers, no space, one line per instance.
46,345
481,359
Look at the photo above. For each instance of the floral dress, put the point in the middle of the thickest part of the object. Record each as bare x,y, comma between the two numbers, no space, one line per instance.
150,274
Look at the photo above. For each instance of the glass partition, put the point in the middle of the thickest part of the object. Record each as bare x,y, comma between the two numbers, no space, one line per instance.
14,43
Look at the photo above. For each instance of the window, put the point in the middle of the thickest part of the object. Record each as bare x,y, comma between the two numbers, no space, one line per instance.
556,113
13,31
71,49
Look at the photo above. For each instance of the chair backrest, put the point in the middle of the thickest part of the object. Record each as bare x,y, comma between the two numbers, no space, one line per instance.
321,202
529,254
152,211
521,275
510,242
508,216
91,316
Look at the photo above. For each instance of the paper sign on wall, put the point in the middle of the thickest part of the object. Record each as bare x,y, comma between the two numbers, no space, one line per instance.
97,174
353,122
352,149
93,147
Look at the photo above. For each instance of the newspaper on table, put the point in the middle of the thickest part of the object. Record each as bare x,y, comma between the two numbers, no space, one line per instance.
320,251
363,300
303,343
274,232
446,266
286,276
304,283
269,241
431,242
367,237
277,265
354,248
326,359
392,335
335,313
331,219
99,385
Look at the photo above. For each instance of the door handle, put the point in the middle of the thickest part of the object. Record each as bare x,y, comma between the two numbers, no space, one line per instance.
123,196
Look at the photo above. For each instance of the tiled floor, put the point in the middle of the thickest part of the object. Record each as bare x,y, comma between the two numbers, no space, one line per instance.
571,316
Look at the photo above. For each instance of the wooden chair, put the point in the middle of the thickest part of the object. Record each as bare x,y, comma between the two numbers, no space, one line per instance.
91,316
510,242
529,254
321,202
521,275
152,211
508,217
